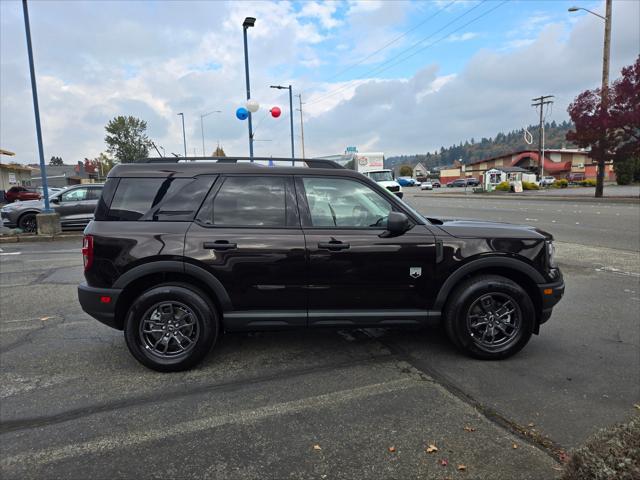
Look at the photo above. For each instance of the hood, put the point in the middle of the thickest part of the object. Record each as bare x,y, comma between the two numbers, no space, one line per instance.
488,229
388,183
27,204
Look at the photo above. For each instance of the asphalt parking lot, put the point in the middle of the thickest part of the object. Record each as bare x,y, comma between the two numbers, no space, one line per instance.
361,404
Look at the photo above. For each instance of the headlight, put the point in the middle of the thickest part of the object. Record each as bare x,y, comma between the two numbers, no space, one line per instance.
551,255
6,208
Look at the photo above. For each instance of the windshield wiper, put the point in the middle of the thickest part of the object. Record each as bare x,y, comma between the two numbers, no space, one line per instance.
333,215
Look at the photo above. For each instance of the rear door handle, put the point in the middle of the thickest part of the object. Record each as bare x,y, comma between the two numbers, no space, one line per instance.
333,245
219,245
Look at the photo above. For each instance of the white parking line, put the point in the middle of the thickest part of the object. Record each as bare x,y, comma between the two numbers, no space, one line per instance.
10,253
107,444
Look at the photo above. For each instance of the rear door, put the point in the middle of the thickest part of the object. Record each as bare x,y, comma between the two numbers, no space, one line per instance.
248,235
357,276
72,206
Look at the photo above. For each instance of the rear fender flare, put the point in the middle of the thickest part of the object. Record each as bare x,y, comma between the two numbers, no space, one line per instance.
168,266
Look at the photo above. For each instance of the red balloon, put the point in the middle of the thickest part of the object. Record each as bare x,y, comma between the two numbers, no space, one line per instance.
275,112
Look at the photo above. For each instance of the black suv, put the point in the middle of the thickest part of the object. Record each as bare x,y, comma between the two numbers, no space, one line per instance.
181,251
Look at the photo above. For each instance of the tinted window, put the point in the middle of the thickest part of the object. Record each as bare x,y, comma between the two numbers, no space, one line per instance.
251,201
144,198
338,202
75,195
94,193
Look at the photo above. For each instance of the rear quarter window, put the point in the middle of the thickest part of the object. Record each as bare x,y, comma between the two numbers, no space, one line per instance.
153,199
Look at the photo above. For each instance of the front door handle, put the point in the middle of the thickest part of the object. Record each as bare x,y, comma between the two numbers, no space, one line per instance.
333,245
219,245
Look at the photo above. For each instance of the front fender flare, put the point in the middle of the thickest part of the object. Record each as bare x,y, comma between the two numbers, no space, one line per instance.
482,264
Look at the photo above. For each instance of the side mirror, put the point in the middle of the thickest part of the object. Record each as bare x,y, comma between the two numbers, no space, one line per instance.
54,200
397,224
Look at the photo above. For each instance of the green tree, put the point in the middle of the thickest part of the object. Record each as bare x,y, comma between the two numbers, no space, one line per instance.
56,161
406,171
126,139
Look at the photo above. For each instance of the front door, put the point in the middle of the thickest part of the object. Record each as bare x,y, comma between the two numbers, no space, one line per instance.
248,235
357,275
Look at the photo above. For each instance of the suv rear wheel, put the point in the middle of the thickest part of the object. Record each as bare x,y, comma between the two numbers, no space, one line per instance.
489,317
171,327
28,223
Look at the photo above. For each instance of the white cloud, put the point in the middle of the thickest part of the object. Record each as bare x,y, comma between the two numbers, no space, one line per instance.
463,37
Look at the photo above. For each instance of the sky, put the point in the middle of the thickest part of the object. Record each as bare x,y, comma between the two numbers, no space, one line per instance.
400,77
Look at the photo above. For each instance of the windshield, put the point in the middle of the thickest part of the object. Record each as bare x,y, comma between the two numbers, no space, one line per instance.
380,176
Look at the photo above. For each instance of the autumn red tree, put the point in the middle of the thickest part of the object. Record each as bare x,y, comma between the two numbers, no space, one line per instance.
612,133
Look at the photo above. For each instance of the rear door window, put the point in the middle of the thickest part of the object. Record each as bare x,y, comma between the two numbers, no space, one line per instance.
252,201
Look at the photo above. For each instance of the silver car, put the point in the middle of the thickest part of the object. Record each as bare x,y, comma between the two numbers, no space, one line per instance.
75,205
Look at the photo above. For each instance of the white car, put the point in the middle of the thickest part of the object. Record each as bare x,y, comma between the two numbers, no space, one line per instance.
426,186
545,181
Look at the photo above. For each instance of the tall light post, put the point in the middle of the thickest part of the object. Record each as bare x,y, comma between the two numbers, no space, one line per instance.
248,23
280,87
604,89
202,126
184,137
36,110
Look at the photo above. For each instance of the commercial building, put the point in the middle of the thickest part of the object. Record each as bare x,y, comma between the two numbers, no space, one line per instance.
12,174
557,163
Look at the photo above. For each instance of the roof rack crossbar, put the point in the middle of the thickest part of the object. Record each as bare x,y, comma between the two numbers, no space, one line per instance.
310,162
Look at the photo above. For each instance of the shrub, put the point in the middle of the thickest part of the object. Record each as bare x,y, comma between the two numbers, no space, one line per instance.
627,171
562,183
610,454
589,182
530,186
503,187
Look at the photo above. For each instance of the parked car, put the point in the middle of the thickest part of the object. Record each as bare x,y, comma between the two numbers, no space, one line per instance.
17,193
575,178
180,252
460,182
75,205
473,182
435,183
406,181
426,186
51,190
546,181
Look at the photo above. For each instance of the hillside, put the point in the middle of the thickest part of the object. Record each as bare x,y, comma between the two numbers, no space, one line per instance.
473,150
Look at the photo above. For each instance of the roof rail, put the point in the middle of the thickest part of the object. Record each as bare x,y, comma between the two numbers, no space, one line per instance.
310,162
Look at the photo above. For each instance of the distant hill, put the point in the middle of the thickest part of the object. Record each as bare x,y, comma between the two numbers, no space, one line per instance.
473,150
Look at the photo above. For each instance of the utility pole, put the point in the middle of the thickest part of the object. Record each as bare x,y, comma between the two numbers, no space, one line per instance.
301,123
184,137
541,101
604,92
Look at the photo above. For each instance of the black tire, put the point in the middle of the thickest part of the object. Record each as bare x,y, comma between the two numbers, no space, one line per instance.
28,223
468,308
201,327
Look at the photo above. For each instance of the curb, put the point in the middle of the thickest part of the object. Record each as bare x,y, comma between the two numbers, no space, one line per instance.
532,197
38,238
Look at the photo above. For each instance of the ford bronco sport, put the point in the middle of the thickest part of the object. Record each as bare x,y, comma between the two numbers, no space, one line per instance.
181,251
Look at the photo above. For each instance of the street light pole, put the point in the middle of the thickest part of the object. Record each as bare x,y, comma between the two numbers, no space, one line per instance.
604,89
184,137
248,23
36,110
202,126
280,87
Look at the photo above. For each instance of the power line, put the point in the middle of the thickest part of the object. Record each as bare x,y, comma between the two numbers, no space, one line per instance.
362,60
382,67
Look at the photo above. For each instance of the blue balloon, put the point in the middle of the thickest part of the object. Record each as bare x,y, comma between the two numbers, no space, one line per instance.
242,113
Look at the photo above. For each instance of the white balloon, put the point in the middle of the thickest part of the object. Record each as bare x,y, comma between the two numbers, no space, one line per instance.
252,105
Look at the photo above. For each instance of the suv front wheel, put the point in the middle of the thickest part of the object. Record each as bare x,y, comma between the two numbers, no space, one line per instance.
171,327
489,317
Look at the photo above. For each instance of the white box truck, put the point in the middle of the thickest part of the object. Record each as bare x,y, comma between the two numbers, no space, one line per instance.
371,164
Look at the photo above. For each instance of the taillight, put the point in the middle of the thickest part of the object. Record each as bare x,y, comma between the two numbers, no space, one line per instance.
87,251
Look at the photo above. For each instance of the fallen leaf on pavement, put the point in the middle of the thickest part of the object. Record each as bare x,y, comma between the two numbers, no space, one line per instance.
392,449
462,467
444,462
515,445
531,425
637,405
317,447
431,449
564,457
469,429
